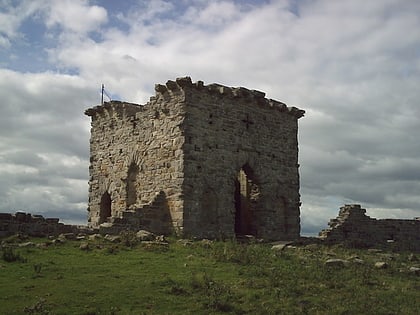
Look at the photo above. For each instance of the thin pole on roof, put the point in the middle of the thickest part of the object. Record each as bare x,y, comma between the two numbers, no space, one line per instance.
102,94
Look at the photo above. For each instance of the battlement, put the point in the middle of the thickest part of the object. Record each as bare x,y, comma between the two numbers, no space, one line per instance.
183,86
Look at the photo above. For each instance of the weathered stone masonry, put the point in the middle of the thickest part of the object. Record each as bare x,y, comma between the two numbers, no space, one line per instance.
354,226
33,225
198,160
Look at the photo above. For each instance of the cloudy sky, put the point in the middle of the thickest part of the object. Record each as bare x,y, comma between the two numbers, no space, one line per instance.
354,66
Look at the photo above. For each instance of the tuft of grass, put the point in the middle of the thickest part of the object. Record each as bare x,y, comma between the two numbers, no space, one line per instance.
9,255
40,307
37,270
218,295
129,239
239,253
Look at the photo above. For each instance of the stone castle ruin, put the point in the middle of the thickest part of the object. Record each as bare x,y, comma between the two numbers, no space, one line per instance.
204,161
196,160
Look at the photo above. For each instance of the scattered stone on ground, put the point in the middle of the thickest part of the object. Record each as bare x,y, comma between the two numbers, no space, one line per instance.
113,238
68,236
389,256
278,247
84,246
160,238
185,242
154,244
414,270
412,257
356,259
95,237
381,265
206,243
44,244
335,262
143,235
106,225
27,244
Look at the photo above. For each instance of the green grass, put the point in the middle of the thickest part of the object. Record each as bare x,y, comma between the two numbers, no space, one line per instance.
220,278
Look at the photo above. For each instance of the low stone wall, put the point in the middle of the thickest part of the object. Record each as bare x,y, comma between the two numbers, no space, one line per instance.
146,217
154,217
353,226
33,225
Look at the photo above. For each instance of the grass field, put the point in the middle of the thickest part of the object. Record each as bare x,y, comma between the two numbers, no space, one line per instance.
185,277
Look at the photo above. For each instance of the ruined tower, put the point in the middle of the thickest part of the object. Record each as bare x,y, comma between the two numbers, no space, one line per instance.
196,160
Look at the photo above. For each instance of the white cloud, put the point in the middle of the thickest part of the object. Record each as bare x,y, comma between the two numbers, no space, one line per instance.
11,17
44,142
76,16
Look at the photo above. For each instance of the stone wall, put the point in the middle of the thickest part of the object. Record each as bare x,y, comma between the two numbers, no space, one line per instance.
32,225
211,151
228,130
353,226
135,154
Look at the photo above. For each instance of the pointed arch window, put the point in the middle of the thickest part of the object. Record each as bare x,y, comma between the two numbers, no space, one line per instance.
131,188
105,208
247,193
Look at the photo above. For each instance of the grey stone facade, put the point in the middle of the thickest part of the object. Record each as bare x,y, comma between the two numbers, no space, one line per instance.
196,160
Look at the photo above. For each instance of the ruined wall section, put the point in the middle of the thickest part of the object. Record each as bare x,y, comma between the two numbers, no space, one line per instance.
227,129
136,156
32,225
354,227
110,123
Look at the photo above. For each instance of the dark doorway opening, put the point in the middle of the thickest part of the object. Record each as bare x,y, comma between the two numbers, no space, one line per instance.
131,188
247,193
105,208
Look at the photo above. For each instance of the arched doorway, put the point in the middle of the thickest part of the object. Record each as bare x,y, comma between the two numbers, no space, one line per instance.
247,193
105,208
131,188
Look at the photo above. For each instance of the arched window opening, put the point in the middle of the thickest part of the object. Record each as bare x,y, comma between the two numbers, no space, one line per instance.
131,187
105,208
247,193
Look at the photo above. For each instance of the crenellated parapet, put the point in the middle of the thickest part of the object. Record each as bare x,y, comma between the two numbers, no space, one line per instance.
184,86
